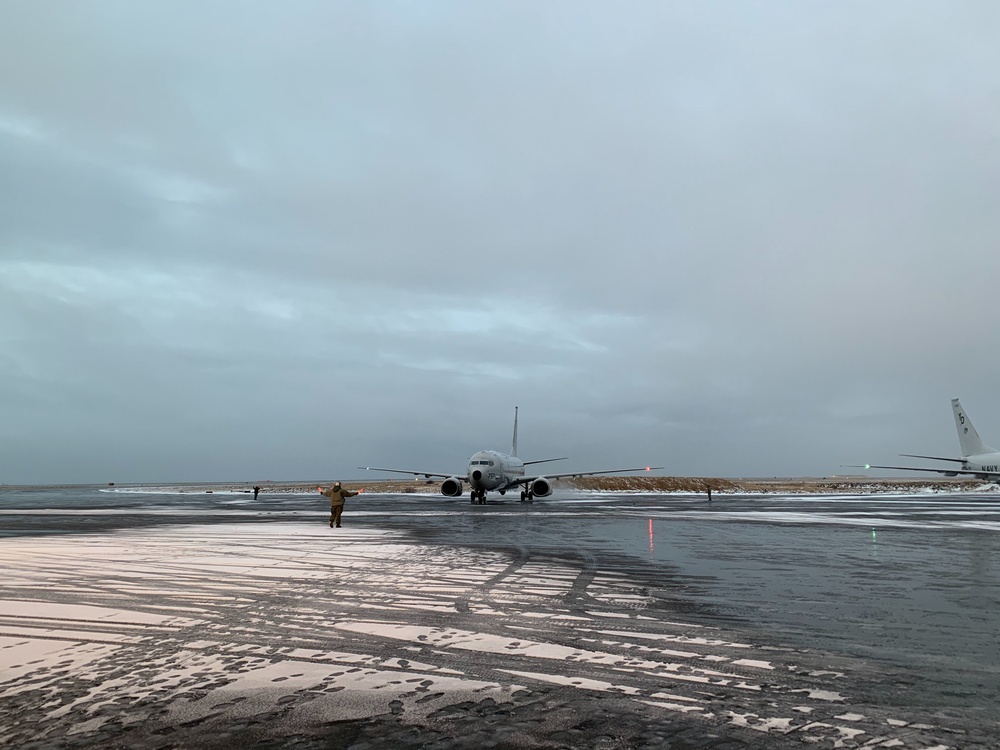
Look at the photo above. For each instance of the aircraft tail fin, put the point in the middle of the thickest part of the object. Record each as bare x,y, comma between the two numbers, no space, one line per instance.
513,448
968,438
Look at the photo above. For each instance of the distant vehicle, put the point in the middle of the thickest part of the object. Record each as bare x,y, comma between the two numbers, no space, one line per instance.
978,459
490,471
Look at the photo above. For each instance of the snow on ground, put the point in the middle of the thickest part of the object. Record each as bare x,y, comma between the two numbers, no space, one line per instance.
159,631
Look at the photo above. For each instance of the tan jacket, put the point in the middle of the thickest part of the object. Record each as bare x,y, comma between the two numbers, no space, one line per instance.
338,495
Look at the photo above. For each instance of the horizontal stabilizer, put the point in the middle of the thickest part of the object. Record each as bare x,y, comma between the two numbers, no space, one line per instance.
545,460
932,458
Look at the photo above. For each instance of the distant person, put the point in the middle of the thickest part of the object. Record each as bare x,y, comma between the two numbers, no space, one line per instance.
708,488
256,491
337,495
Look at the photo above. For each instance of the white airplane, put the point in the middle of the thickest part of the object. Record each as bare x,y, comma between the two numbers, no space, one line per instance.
978,459
494,471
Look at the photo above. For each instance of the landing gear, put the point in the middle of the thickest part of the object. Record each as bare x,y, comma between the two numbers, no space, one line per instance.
527,495
477,496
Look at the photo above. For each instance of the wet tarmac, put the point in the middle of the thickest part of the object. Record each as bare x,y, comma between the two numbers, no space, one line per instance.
584,620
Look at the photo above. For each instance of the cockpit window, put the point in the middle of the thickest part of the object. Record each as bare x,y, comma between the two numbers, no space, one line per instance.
491,463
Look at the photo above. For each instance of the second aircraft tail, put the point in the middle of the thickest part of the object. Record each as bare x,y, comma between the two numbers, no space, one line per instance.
513,448
968,438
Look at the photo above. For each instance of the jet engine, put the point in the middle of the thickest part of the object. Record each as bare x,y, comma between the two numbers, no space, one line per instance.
541,487
451,487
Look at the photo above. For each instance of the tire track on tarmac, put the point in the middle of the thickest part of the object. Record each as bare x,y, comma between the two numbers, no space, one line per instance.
482,591
578,598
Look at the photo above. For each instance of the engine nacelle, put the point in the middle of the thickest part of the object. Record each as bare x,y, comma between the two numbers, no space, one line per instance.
541,487
451,487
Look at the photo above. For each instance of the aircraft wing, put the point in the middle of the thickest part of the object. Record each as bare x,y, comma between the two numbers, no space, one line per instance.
424,474
946,472
528,480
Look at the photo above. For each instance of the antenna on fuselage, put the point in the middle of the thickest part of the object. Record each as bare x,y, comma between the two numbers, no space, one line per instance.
513,449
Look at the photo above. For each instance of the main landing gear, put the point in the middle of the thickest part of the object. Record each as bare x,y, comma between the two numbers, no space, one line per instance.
527,495
477,496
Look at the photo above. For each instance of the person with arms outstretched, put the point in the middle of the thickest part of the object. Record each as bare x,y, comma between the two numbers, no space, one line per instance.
337,495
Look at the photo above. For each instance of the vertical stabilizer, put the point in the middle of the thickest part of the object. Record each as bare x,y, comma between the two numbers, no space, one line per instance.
513,448
968,438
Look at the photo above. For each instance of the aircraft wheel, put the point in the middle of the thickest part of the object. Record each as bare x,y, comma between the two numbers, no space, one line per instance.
524,496
472,497
531,497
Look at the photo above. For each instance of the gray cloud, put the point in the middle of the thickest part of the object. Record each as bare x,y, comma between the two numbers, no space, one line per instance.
279,241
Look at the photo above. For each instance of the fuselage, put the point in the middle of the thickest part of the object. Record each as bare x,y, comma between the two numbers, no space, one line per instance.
492,470
987,463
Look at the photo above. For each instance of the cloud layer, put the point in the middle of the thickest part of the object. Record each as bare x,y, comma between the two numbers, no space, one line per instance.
262,241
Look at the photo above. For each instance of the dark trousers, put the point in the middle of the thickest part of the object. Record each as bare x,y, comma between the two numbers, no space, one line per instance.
335,512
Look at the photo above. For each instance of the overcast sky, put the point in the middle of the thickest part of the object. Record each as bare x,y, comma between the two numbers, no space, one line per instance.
260,240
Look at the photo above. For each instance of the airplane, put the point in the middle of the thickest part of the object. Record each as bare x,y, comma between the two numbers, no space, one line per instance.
491,470
978,459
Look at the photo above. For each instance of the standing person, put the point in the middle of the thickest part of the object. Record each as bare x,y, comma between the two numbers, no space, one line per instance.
708,488
256,491
337,495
